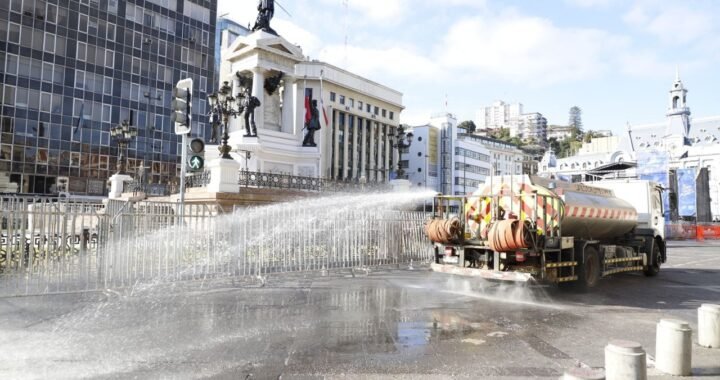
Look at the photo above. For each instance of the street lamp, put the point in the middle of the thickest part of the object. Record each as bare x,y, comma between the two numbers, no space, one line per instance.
123,134
402,141
222,106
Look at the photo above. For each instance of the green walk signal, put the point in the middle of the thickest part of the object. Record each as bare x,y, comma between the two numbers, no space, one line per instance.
196,163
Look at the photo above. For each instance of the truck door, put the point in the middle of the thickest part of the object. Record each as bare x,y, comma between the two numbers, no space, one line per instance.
657,214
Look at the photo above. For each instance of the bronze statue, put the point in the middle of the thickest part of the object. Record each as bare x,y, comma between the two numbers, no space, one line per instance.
266,10
249,103
214,132
312,125
272,83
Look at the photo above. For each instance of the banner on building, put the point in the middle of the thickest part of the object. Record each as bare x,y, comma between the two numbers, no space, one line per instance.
687,192
654,166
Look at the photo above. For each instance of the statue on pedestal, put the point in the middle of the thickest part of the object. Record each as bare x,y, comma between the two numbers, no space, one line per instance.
248,104
266,10
312,125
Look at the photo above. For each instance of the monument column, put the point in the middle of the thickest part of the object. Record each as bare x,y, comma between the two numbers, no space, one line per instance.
259,92
288,108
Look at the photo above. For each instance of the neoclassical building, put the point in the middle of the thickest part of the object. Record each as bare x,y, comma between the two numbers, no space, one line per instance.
678,142
357,115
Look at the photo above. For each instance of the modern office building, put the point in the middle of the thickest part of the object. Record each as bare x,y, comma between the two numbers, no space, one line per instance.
450,160
226,32
72,69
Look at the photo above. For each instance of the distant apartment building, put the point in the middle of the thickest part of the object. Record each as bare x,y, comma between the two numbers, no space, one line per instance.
559,132
72,69
512,117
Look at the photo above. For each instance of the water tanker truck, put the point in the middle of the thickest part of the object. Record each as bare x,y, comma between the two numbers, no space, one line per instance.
519,227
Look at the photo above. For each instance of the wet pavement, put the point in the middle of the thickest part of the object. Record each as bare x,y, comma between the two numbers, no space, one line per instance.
389,323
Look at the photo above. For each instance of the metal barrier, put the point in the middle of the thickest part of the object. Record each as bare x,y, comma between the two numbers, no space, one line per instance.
285,181
692,231
52,246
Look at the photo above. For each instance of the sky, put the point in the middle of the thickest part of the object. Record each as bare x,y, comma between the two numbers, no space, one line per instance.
615,59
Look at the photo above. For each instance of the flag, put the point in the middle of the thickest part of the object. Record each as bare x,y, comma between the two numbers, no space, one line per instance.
79,122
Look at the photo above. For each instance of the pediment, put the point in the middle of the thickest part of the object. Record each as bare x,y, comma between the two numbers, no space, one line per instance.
267,42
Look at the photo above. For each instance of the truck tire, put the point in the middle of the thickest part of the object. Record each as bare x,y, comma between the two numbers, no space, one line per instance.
653,267
589,269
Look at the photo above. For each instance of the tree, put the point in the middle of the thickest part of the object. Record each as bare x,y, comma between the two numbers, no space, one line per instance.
468,125
575,122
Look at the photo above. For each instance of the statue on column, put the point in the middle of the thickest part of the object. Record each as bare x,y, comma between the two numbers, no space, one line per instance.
248,104
312,125
266,10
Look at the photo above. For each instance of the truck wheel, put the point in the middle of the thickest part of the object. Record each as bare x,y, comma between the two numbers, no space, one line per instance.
653,267
589,270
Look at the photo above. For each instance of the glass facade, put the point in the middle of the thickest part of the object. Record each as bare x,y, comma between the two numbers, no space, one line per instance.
72,69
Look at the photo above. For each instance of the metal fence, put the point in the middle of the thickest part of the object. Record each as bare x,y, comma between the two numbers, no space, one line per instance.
52,245
293,182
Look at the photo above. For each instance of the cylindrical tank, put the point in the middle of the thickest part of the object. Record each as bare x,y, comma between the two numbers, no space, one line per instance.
594,213
585,212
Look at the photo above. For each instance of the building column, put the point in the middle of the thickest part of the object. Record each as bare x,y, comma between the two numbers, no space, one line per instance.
388,149
259,92
336,147
373,158
355,148
288,110
363,152
346,146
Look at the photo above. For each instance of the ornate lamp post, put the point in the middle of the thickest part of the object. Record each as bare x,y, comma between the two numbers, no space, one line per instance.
222,106
123,134
402,141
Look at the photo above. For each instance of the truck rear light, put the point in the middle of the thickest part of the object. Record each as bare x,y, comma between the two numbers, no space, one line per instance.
519,257
448,251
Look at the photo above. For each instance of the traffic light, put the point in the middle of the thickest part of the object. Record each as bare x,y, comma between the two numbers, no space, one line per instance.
196,160
182,106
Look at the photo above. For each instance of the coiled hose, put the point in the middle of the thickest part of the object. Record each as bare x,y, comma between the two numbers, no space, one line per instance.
509,235
443,230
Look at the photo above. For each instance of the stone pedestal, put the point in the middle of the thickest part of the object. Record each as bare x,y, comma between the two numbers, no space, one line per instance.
625,360
709,325
673,350
117,185
400,185
224,176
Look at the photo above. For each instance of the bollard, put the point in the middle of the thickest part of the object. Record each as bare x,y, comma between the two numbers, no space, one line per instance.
673,347
579,373
709,325
625,360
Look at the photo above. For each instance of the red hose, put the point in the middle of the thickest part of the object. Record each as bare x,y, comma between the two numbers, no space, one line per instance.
509,235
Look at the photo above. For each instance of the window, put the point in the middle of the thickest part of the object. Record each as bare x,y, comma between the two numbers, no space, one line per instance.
45,102
368,107
14,33
107,86
351,102
60,46
111,32
136,66
79,79
47,72
93,27
81,51
49,43
16,6
360,105
332,96
376,109
106,112
109,58
384,113
342,99
203,84
392,115
12,64
185,53
9,95
83,23
58,75
205,38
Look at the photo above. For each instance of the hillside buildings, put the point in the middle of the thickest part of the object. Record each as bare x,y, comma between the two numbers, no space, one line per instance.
532,125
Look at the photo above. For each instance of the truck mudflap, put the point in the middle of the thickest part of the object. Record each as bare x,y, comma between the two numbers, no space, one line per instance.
483,273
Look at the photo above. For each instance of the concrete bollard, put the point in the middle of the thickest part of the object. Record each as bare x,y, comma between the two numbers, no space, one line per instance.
625,360
709,325
673,347
579,373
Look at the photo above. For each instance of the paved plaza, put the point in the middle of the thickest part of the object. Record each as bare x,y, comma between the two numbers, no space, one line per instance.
388,323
